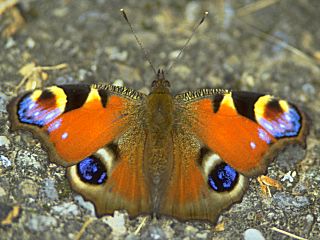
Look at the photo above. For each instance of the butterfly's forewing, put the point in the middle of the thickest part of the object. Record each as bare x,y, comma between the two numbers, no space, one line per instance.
73,121
245,129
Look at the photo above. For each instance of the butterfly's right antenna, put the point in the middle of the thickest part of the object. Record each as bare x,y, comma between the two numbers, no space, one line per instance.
195,28
146,56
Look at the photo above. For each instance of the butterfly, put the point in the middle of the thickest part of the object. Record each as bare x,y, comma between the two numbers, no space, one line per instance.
187,156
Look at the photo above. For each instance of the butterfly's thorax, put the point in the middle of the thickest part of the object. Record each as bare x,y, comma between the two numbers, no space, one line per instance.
158,154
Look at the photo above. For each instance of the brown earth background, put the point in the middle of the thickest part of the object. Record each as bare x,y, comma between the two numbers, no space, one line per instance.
263,46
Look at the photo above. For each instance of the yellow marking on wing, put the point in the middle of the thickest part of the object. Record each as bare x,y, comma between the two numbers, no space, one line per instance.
93,95
259,106
35,95
284,105
227,101
60,96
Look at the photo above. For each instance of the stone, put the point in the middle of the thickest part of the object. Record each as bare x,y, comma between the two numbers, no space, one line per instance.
284,200
41,223
153,232
4,141
49,189
253,234
117,55
87,205
5,162
66,209
189,230
117,223
29,188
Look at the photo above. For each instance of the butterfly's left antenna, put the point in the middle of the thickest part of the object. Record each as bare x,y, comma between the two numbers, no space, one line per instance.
146,56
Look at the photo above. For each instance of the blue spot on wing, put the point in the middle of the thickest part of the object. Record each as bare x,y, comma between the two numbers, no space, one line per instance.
288,124
263,135
34,113
91,170
54,125
222,178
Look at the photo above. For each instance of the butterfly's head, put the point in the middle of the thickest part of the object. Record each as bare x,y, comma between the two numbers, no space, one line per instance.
160,84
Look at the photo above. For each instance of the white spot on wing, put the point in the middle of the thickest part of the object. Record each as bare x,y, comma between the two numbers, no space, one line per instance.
264,136
55,125
64,135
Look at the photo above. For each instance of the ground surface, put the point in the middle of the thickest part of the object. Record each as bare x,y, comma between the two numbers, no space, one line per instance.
275,49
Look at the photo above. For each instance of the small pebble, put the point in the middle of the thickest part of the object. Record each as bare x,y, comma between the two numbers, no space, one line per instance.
82,74
310,218
10,43
308,223
60,12
41,223
117,223
153,232
66,209
253,234
115,54
49,189
190,230
85,204
29,188
5,162
118,83
30,43
202,235
284,200
4,141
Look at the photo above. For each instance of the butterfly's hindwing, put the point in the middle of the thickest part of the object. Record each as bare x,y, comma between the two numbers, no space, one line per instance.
202,185
112,178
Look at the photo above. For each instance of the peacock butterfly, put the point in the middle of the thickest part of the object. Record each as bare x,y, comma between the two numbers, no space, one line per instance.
188,156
